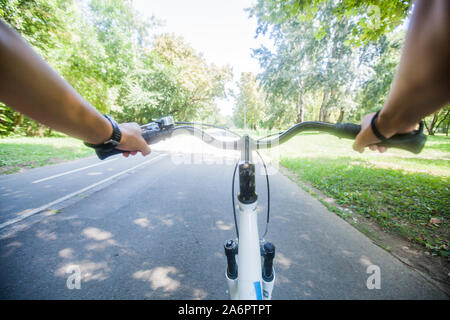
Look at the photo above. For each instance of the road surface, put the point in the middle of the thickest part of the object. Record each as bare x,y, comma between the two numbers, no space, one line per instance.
154,227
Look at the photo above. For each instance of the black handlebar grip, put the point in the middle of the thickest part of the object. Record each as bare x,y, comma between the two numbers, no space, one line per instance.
412,142
103,154
151,136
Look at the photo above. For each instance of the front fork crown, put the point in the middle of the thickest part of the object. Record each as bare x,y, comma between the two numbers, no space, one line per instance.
267,251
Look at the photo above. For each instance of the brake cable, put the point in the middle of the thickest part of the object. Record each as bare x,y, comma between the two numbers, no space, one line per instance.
268,194
232,199
234,177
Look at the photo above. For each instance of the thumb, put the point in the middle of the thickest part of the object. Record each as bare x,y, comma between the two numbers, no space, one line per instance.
357,146
145,149
364,139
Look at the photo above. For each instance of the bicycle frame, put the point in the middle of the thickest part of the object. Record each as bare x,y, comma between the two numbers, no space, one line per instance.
249,285
246,281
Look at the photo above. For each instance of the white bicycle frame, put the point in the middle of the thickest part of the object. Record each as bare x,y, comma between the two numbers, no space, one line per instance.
249,284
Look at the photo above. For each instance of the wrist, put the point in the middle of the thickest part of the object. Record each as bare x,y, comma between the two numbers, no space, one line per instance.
111,137
98,128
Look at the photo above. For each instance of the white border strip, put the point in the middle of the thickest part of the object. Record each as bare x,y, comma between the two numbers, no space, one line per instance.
72,171
46,206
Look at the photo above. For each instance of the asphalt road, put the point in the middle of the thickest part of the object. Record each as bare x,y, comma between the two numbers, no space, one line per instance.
152,228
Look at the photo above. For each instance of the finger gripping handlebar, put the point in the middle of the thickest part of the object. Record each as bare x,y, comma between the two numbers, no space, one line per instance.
412,142
150,136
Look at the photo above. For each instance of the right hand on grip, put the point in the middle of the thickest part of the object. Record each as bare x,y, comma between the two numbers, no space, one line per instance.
406,138
412,142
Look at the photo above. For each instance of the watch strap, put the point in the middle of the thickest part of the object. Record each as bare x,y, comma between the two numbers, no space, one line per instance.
113,141
374,128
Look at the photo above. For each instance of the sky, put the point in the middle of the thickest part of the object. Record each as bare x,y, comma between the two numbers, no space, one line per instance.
220,30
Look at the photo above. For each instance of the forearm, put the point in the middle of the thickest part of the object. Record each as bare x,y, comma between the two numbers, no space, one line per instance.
422,82
29,85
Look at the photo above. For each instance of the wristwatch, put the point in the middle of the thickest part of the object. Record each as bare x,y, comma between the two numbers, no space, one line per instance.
374,128
113,141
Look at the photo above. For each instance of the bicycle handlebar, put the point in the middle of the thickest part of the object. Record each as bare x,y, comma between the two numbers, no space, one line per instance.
412,142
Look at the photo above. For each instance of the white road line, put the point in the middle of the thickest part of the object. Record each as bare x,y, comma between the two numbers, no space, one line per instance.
48,205
72,171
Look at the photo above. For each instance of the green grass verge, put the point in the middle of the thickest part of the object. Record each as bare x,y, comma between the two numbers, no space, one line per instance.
398,190
25,153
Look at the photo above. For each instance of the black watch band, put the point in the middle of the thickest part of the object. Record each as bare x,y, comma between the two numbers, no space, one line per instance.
374,128
113,141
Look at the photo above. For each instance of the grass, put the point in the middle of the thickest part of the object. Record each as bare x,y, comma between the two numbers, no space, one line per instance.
24,153
399,190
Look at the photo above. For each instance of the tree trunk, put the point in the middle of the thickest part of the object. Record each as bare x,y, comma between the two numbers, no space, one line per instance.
326,116
300,108
18,121
431,127
341,115
323,107
443,119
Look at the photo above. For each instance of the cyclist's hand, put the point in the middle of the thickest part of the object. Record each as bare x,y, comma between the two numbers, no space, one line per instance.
366,138
132,140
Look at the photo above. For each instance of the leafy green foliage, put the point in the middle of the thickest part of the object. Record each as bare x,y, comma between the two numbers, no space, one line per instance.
311,56
250,105
385,58
330,60
37,21
104,50
372,18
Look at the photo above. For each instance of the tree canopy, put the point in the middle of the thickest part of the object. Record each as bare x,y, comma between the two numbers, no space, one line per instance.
330,61
116,61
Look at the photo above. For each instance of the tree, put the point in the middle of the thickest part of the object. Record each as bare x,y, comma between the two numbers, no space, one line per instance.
61,32
41,24
103,49
436,119
199,83
123,34
172,79
289,72
383,58
310,56
372,18
249,109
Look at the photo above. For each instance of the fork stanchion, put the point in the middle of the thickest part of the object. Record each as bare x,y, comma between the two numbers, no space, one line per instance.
231,274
